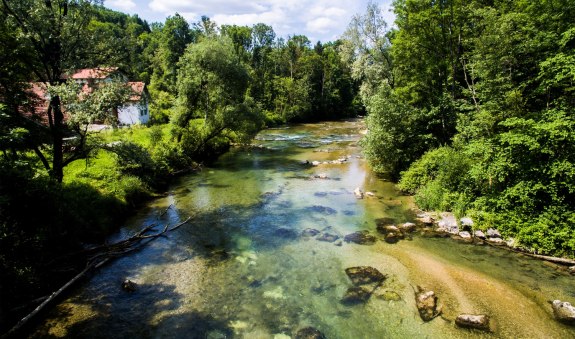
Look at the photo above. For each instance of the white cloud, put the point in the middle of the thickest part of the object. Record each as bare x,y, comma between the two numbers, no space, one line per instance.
126,5
318,19
321,25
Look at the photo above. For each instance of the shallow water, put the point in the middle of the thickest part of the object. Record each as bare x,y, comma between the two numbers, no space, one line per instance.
242,268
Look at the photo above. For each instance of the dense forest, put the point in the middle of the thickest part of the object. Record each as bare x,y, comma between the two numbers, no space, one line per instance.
470,107
472,110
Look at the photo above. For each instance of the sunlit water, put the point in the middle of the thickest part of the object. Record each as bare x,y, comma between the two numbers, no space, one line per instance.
242,269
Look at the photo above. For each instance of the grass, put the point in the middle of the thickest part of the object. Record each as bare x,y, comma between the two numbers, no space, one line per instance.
101,171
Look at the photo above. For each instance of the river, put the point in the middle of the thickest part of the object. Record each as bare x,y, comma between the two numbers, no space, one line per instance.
243,269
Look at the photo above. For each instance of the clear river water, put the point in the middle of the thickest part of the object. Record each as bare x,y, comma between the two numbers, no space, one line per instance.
243,268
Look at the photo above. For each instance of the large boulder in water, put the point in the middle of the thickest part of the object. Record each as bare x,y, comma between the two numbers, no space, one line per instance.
475,321
563,311
363,275
361,238
426,302
356,295
392,233
309,333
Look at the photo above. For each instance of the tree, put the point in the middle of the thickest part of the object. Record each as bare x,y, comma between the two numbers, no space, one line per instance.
366,47
211,96
54,33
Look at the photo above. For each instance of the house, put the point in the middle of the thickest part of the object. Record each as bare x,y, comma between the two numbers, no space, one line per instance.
136,110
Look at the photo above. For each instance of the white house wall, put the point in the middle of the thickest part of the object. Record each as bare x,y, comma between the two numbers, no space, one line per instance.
130,115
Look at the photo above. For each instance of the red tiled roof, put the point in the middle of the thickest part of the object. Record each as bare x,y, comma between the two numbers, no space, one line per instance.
137,90
93,73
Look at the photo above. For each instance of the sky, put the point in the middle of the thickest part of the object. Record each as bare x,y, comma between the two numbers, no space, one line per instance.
319,20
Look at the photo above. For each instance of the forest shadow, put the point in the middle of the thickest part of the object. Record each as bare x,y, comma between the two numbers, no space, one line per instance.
150,311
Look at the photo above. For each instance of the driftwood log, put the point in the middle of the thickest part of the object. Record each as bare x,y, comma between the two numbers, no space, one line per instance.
555,260
97,257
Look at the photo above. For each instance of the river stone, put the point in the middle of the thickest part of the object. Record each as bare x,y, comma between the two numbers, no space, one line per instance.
493,233
358,193
363,275
355,295
361,238
310,232
465,235
426,302
564,311
286,233
425,219
391,232
385,221
408,227
466,222
497,241
475,321
448,222
129,286
479,234
309,333
328,237
571,269
322,209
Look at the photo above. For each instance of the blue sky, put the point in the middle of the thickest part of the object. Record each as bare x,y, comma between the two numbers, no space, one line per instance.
323,20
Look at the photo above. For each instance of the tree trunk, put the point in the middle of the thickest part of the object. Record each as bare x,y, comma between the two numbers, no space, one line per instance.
57,140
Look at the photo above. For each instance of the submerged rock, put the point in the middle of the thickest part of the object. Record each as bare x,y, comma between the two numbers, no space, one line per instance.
328,237
385,221
355,295
322,209
309,333
310,232
321,176
388,295
286,233
475,321
370,194
361,238
363,275
426,302
563,311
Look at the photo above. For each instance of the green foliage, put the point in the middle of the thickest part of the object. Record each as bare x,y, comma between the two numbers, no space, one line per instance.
212,84
477,108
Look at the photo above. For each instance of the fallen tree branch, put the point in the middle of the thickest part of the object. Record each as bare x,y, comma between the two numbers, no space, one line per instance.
555,260
107,252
